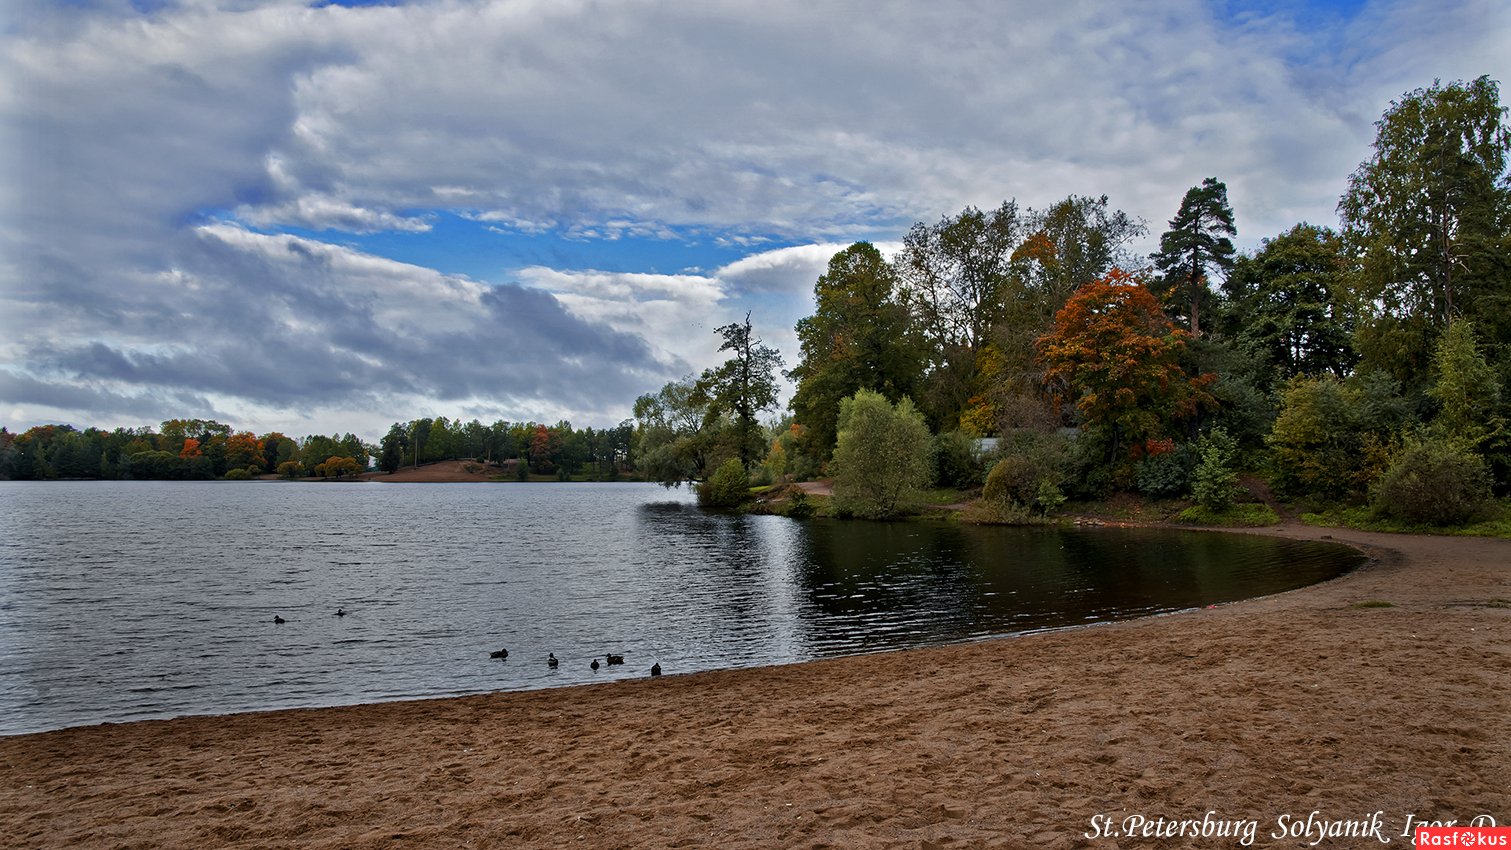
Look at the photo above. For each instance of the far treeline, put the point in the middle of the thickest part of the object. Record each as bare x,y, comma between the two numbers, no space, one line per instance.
204,448
1027,352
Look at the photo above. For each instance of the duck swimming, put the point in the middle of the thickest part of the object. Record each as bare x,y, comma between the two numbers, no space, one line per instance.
279,620
499,653
340,612
551,660
614,659
656,669
594,665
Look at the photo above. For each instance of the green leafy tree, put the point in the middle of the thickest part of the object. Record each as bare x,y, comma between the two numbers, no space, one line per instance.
419,437
315,448
1333,438
277,448
679,437
7,454
788,458
1015,480
573,447
881,456
392,448
743,387
475,440
1427,217
1071,244
955,275
1467,390
155,465
860,337
351,446
957,461
1290,300
174,432
1472,412
76,454
1196,245
1166,469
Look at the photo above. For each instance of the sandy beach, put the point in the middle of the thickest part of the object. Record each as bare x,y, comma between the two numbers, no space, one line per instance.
1264,711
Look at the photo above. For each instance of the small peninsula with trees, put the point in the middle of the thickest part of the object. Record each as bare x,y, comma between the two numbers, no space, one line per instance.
1019,361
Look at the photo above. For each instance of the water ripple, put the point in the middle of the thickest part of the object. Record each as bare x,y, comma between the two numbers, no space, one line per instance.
133,600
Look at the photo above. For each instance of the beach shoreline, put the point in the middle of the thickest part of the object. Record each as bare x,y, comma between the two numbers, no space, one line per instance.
1387,690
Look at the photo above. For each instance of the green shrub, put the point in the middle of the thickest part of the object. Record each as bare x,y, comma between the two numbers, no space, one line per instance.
727,489
881,456
1091,476
956,463
1333,438
1434,484
799,506
1013,480
1214,484
238,474
1001,513
1049,496
1165,475
1244,515
1028,475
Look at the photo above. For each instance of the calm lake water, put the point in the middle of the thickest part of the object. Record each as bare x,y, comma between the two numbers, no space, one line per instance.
131,600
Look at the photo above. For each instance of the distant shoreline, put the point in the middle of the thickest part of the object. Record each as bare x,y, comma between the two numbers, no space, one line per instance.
435,472
465,472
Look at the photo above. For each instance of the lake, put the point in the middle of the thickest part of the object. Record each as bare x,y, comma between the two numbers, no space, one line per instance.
125,601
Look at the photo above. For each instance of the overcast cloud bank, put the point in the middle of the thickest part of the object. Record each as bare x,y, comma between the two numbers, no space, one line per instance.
196,199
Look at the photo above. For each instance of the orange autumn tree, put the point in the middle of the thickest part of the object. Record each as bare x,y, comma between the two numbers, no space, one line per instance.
1115,355
244,450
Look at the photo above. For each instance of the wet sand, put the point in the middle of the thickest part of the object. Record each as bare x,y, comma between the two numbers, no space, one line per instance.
1265,711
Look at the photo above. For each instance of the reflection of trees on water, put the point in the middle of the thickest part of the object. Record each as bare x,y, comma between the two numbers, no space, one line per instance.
902,584
725,578
827,587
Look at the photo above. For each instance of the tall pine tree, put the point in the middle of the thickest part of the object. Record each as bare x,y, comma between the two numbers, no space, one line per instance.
1196,244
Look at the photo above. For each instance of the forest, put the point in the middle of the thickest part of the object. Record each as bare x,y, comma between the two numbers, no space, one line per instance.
189,449
1022,358
1029,354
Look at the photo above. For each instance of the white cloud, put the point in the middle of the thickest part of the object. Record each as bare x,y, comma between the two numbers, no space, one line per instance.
675,314
122,134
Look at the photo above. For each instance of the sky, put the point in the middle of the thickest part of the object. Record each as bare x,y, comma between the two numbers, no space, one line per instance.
332,216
